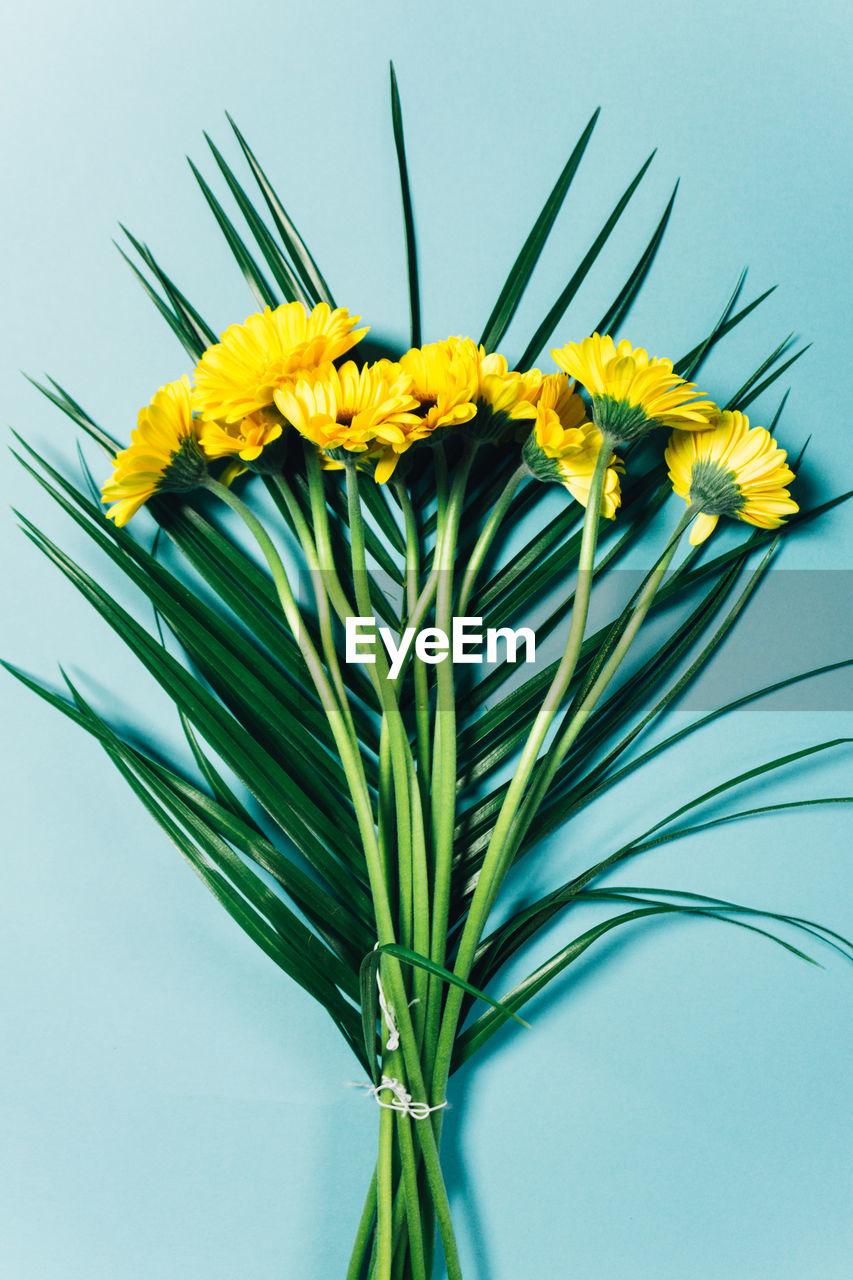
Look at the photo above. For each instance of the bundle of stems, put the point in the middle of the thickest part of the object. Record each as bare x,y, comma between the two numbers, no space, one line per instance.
359,819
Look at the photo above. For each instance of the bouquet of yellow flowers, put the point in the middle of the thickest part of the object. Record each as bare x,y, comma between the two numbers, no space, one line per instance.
372,746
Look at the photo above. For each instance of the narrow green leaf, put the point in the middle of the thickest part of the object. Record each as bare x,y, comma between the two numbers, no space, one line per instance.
311,275
257,928
689,365
182,332
747,400
775,422
369,1001
618,709
557,311
252,273
423,962
624,893
485,1026
290,286
313,963
522,269
408,215
370,996
72,410
238,671
616,313
263,776
183,308
736,399
336,922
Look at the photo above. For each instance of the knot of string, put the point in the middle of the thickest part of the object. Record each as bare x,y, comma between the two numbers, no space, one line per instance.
400,1100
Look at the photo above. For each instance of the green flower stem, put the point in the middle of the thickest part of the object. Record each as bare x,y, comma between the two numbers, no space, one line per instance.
401,1232
444,782
344,609
385,1197
486,537
420,903
364,1234
423,1129
321,596
428,592
496,863
420,669
418,779
385,928
398,738
385,799
409,1164
322,534
578,718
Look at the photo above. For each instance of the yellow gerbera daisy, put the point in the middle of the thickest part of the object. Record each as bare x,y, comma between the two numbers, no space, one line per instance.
731,470
245,440
503,396
351,411
564,446
164,454
631,391
241,373
444,381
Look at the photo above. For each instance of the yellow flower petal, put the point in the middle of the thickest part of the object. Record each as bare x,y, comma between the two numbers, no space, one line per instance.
164,453
241,374
731,469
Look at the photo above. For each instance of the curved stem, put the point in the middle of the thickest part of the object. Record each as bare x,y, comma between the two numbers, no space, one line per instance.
577,719
323,536
419,780
321,597
486,537
425,599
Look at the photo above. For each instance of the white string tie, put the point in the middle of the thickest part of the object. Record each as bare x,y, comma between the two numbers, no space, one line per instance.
393,1041
402,1100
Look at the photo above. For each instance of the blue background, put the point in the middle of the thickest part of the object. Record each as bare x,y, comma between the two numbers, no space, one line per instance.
173,1108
